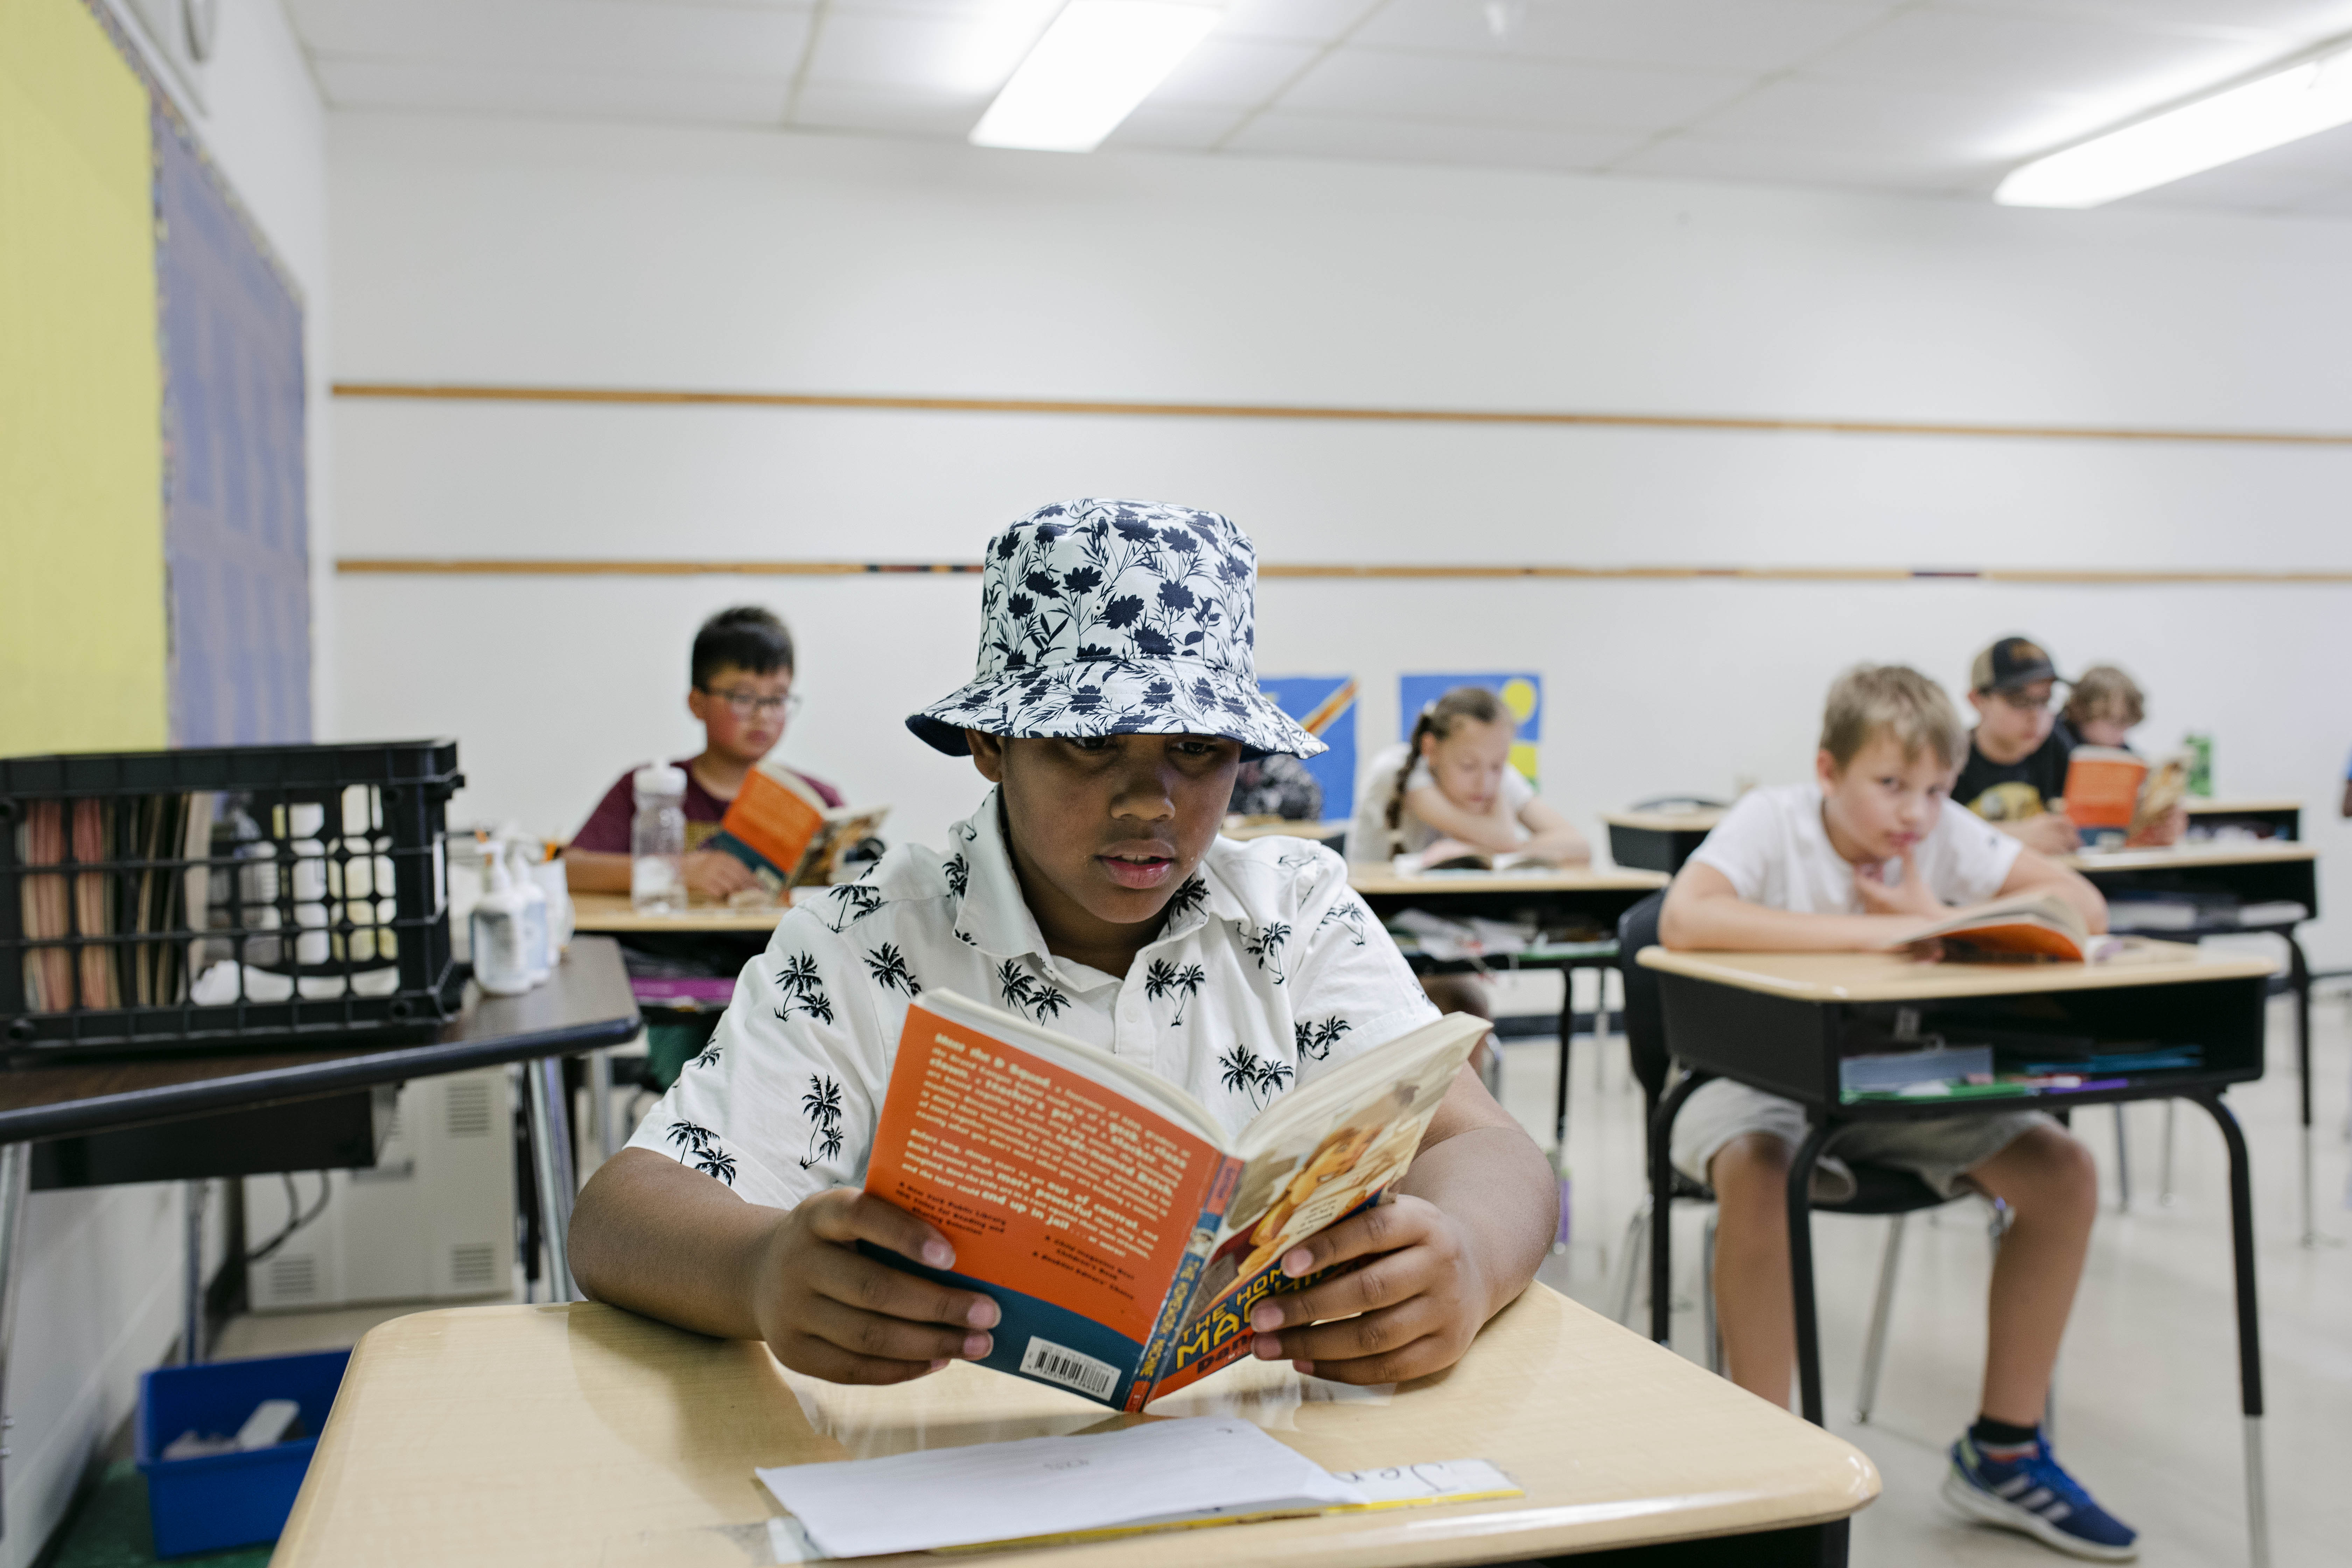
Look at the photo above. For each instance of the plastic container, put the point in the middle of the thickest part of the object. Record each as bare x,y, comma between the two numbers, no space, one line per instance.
502,965
561,915
657,842
126,875
536,949
228,1499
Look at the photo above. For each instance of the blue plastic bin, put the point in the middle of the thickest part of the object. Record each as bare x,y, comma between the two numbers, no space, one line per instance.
228,1499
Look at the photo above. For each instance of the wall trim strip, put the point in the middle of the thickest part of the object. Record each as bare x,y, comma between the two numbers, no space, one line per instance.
1756,425
427,566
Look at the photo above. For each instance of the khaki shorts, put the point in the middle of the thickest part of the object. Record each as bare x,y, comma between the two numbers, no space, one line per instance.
1937,1151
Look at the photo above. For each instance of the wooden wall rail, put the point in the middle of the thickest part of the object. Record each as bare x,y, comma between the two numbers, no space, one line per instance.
656,397
421,566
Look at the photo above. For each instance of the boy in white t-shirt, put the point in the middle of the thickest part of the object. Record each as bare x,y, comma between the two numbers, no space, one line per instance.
1870,851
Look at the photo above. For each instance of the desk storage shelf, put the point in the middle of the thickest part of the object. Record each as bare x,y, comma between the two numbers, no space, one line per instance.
164,902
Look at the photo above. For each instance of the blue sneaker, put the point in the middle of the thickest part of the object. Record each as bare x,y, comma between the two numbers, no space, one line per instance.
2033,1496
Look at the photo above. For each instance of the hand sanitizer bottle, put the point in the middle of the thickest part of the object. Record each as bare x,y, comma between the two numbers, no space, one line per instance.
536,950
497,935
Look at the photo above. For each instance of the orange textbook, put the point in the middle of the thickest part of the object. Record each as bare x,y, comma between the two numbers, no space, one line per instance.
785,841
2027,928
1124,1234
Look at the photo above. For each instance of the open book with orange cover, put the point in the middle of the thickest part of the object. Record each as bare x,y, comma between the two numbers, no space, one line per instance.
786,841
2028,928
1124,1234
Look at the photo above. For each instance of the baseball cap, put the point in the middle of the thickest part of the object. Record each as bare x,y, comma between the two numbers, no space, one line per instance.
2008,663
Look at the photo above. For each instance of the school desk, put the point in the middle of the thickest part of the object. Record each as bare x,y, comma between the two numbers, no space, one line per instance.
575,1435
1577,894
1659,840
583,1006
612,914
2233,872
2268,818
1781,1021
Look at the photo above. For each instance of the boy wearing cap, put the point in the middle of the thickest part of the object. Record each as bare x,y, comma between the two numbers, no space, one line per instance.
2015,774
1868,852
1114,698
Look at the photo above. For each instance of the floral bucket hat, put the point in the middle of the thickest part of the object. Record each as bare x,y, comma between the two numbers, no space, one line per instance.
1116,617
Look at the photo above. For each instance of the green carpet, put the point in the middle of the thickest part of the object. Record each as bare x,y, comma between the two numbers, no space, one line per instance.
110,1530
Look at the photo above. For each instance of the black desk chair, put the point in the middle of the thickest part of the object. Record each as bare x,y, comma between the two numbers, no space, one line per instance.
1879,1189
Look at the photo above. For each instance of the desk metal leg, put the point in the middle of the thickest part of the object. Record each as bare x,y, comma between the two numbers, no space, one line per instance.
1661,1211
550,1155
2250,1347
15,1181
2298,979
192,1274
600,1120
1801,1269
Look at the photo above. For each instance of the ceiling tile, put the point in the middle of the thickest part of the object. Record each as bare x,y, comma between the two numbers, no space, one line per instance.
503,89
826,107
1242,72
1840,162
928,53
1339,136
1942,126
2305,20
1317,21
1724,34
1174,127
630,37
1978,51
1469,89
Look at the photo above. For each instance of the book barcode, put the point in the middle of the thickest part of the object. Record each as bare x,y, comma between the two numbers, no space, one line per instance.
1071,1369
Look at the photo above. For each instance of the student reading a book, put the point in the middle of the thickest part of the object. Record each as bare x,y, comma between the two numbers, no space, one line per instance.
2102,708
1869,853
1450,792
2014,776
1089,892
741,691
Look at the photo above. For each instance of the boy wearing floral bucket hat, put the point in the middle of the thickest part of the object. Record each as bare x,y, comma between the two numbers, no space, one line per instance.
1116,694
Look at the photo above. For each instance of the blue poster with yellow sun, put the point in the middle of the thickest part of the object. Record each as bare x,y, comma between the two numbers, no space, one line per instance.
1522,694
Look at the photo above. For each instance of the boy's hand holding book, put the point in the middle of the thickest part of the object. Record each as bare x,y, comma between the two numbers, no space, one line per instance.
831,1311
1414,1309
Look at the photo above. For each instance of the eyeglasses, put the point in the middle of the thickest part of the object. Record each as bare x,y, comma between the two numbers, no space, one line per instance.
2025,703
744,704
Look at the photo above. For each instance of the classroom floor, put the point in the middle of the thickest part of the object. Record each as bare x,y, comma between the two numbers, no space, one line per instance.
2146,1413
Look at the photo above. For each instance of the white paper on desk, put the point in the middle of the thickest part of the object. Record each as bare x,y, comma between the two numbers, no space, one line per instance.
1047,1486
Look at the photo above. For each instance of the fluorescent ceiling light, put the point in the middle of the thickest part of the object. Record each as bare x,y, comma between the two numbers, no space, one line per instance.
2270,112
1095,64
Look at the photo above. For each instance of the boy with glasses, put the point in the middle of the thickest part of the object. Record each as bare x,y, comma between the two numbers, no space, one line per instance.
742,693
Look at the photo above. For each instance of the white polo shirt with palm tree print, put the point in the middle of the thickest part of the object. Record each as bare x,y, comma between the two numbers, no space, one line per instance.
1267,972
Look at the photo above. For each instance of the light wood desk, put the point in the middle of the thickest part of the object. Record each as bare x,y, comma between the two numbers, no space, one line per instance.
612,914
1659,840
2280,818
1559,885
2237,872
1782,1021
582,1435
1321,832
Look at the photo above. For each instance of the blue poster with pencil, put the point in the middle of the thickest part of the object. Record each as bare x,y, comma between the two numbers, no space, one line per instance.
1325,705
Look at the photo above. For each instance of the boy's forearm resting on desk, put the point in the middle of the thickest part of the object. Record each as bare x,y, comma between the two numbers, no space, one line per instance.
1702,911
657,1238
1471,1221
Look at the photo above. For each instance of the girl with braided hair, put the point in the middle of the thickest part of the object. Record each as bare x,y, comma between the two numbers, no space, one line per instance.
1450,791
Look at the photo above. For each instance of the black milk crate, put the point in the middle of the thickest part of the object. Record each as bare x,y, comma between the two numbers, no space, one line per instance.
257,896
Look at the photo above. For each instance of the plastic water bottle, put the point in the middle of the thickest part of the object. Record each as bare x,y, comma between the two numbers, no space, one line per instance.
658,841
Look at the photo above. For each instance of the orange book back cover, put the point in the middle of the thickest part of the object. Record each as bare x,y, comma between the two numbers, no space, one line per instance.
2102,787
1068,1204
772,822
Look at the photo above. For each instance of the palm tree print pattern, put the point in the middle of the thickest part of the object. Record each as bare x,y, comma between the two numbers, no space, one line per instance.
1244,1073
1315,1040
852,902
699,1146
958,872
709,1057
804,989
822,1105
1188,897
1348,913
888,967
1024,992
1264,944
1165,979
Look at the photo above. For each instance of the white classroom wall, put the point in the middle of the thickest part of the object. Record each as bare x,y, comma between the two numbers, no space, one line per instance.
516,252
99,1300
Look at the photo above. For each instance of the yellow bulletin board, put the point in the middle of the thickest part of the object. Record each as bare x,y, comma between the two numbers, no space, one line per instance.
83,641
